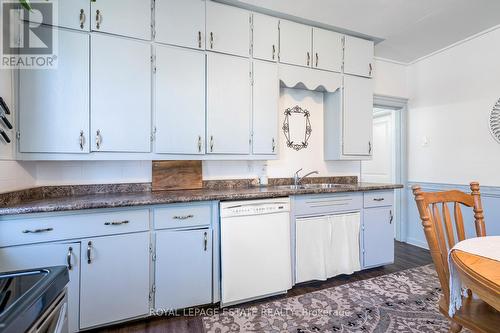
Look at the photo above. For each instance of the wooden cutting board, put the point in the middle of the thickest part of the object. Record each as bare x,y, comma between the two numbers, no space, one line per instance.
177,175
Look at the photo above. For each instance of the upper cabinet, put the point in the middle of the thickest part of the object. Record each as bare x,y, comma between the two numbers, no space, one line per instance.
120,94
180,22
73,14
295,43
227,29
129,18
358,56
180,101
327,50
228,104
54,111
265,40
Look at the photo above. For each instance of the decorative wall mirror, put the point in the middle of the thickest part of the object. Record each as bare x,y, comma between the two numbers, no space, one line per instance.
297,127
495,121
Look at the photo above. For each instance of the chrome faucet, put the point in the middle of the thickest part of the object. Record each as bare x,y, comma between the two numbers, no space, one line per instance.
297,179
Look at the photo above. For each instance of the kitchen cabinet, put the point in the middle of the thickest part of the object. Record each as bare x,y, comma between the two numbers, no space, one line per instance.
265,107
129,18
183,274
358,56
46,255
54,104
378,236
265,37
180,101
73,14
348,122
180,22
120,94
295,43
227,29
228,104
114,278
327,50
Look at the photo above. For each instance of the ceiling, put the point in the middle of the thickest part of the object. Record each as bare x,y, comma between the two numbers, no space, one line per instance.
405,30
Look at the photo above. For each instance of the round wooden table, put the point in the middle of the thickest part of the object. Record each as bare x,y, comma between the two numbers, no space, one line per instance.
479,274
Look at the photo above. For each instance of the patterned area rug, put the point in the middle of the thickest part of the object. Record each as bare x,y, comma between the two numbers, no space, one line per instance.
405,301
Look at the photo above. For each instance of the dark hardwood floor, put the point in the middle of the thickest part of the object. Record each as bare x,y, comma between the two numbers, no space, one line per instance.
406,256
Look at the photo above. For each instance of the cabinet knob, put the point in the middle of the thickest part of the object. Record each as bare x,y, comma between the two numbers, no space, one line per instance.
82,140
369,147
370,69
211,143
274,51
205,240
98,19
274,145
317,59
391,217
308,58
98,139
68,258
82,18
199,39
89,252
199,144
211,40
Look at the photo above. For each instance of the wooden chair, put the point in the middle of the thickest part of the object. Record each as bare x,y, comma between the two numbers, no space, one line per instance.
440,234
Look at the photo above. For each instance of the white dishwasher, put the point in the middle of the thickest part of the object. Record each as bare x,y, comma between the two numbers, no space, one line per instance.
255,249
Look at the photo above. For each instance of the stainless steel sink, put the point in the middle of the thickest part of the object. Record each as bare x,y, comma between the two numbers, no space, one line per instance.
311,186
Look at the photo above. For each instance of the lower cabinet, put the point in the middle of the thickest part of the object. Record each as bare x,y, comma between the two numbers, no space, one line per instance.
183,272
378,236
46,255
114,278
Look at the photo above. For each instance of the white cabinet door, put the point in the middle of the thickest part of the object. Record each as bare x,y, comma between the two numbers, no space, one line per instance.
54,104
358,56
295,43
378,236
120,94
265,37
46,255
74,14
129,18
183,271
181,22
327,50
228,29
180,101
114,278
357,116
228,104
265,107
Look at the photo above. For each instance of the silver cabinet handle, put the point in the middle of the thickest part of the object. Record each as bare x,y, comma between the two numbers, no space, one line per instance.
98,18
199,144
89,252
391,217
317,59
378,199
211,143
205,240
211,40
116,222
274,145
82,18
370,67
37,231
98,139
199,39
183,217
82,140
274,51
308,58
369,147
68,258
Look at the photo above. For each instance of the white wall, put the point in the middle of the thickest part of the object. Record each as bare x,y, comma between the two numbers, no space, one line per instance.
451,95
390,79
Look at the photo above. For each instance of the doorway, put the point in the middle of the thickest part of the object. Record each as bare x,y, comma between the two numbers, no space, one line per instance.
388,163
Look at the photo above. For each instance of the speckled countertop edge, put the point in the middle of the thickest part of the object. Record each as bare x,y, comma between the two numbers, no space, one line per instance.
146,198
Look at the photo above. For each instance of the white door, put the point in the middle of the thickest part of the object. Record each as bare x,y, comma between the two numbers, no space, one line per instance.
228,104
378,236
327,50
54,108
295,43
265,40
114,278
180,22
357,116
129,18
358,56
265,107
183,268
228,29
381,168
46,255
180,101
73,14
120,94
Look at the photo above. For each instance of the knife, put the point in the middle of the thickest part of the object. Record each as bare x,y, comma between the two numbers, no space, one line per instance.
6,121
4,106
5,136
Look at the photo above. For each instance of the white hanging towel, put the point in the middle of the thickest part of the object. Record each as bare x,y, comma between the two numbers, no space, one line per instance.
343,255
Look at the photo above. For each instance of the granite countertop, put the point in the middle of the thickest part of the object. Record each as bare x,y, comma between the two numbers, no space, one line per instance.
128,199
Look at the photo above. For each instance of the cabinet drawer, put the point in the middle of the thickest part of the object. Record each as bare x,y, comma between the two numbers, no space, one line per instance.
324,204
378,199
182,216
80,225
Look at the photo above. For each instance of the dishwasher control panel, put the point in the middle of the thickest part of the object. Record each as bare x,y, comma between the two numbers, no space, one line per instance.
254,207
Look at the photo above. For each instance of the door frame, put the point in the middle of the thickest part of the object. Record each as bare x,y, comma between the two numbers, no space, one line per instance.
401,173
